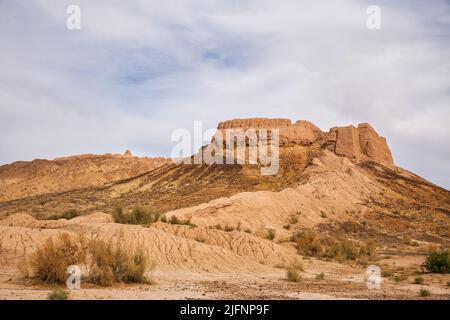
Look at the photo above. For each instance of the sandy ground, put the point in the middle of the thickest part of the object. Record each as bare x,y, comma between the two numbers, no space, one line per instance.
341,282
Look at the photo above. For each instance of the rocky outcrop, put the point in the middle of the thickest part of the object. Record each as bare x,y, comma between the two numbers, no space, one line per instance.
360,143
300,133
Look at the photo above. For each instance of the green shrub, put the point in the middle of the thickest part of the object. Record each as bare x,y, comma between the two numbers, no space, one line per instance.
400,278
419,280
438,262
58,294
424,293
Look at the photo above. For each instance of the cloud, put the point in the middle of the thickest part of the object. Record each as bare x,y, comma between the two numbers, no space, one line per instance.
137,70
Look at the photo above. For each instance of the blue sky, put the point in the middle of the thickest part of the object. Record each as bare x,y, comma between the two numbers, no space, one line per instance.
137,70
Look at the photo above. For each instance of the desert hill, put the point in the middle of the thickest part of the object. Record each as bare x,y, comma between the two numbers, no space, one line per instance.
24,179
341,184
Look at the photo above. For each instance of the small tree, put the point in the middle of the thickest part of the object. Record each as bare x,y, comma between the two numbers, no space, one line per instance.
438,262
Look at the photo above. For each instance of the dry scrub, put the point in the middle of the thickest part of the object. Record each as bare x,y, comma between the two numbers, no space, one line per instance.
138,215
438,261
293,272
106,262
49,263
309,244
114,263
68,214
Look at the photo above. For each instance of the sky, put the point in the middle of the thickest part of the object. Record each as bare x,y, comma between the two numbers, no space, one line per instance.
138,70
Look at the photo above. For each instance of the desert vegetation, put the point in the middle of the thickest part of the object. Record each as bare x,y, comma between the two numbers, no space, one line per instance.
138,215
424,293
293,272
438,261
176,220
58,294
49,263
320,276
106,262
419,280
111,263
68,214
310,244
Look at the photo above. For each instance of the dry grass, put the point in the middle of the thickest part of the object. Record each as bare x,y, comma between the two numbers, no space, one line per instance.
270,234
138,215
293,272
114,263
176,220
320,276
107,262
424,293
293,275
68,214
419,280
309,244
3,252
58,294
49,263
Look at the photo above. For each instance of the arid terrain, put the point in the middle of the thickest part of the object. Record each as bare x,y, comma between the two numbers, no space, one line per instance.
337,204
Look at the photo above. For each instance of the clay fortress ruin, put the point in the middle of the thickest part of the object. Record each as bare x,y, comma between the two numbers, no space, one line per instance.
360,143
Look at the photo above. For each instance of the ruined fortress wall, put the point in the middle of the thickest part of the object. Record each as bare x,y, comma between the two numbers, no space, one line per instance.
361,143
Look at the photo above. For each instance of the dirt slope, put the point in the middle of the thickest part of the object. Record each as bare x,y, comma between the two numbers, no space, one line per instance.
25,179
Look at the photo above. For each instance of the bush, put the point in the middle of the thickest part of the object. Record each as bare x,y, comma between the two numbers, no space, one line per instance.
387,272
320,276
309,244
68,214
49,263
175,220
418,280
400,278
424,293
293,220
58,294
271,234
114,263
139,215
438,262
293,275
293,271
228,228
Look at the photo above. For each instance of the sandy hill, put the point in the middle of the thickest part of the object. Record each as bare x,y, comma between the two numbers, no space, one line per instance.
342,183
24,179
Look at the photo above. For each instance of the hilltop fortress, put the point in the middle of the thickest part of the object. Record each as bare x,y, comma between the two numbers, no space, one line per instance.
360,143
